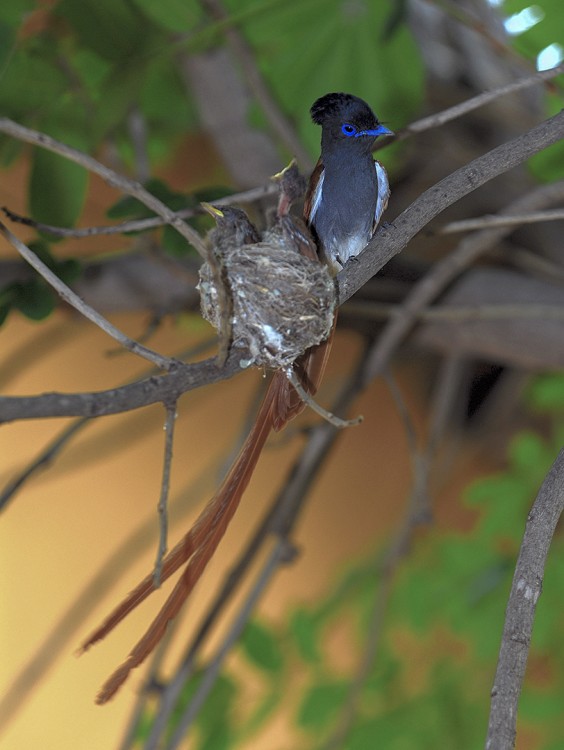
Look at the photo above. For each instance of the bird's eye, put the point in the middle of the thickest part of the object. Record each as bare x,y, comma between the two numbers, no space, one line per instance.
348,129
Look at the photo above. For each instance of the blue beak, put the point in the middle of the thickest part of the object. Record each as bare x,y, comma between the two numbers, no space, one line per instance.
380,130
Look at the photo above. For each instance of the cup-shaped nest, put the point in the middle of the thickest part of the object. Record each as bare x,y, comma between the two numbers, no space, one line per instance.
280,302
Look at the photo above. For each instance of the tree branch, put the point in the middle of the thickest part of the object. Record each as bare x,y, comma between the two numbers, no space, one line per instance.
162,505
142,225
387,243
390,240
519,616
130,187
279,521
448,269
66,293
446,115
490,221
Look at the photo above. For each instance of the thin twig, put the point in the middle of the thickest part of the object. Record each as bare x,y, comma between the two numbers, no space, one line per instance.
459,313
165,487
282,553
141,225
387,242
52,450
317,408
520,613
72,620
247,60
130,187
43,460
487,222
66,293
446,270
279,520
446,115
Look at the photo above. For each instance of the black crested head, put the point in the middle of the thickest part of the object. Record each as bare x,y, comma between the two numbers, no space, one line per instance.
343,106
345,117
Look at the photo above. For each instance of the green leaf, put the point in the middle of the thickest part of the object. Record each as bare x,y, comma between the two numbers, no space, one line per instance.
172,15
218,704
113,29
143,727
542,706
7,42
303,628
217,737
546,392
13,12
175,244
163,98
35,299
57,189
31,63
8,296
4,311
92,70
321,705
530,457
346,53
261,647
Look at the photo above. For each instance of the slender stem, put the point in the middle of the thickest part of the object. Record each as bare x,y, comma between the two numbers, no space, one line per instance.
162,505
307,399
452,113
66,293
282,552
487,222
141,225
130,187
521,607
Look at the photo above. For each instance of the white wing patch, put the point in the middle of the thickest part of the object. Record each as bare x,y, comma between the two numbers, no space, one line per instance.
383,192
316,197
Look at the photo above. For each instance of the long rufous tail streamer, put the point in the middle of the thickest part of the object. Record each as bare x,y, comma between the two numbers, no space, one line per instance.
280,404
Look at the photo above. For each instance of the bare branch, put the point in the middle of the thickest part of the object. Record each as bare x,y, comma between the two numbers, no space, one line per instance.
283,553
130,187
279,521
142,225
165,486
520,613
314,406
387,243
426,290
46,456
42,461
490,221
441,118
66,293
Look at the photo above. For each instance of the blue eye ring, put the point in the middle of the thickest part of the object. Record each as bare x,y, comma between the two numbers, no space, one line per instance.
348,129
